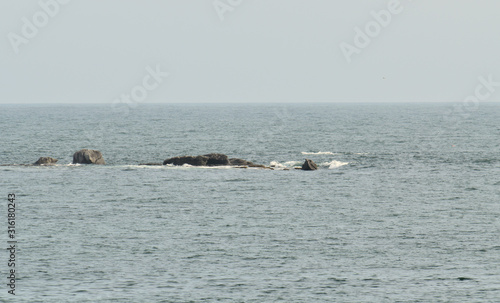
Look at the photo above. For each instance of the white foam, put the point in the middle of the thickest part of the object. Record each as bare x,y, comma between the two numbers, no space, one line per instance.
334,164
287,164
276,164
318,153
145,166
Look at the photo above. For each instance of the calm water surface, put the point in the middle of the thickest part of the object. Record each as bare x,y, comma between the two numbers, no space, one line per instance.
405,206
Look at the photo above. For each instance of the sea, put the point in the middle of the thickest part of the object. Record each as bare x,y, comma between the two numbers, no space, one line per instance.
405,205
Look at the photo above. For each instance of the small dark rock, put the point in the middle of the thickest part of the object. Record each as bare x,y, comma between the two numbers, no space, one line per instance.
45,161
309,165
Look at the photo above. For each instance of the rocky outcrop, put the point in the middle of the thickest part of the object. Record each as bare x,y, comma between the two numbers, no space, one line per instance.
210,160
195,161
205,160
45,161
88,156
217,159
239,162
309,165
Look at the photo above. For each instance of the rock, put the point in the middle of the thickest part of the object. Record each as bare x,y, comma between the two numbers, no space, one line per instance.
88,156
45,161
239,162
217,159
195,161
211,160
309,165
150,164
205,160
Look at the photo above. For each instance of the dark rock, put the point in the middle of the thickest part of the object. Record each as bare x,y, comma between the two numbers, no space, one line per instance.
309,165
45,161
88,156
195,161
239,162
217,159
211,160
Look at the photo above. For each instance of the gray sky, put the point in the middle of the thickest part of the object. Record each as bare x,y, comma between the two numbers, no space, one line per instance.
88,51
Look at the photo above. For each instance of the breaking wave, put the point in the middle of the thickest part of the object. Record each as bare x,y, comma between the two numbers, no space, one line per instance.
334,164
292,164
288,164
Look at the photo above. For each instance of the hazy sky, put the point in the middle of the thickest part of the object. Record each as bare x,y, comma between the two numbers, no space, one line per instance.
87,51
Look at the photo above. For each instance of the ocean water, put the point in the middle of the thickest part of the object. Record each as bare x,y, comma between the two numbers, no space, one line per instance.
404,208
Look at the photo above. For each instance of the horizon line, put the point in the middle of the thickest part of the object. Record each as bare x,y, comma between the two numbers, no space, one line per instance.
247,103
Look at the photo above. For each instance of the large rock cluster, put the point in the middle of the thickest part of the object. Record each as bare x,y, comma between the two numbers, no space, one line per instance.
90,156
